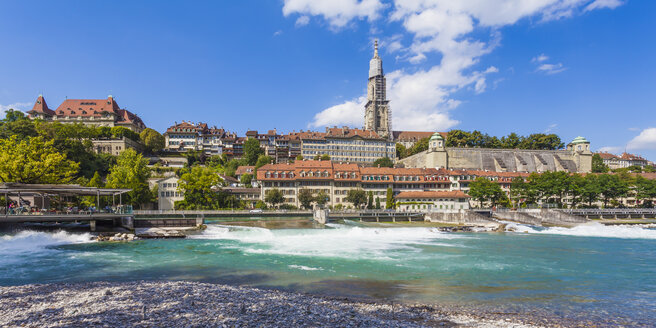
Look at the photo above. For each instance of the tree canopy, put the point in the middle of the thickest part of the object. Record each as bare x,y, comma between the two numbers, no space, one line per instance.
252,151
201,186
537,141
384,162
152,140
131,172
34,160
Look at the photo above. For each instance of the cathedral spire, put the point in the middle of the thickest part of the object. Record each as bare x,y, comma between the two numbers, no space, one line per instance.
376,48
375,64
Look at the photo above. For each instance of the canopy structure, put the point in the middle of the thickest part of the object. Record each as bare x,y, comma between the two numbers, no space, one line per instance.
12,188
44,191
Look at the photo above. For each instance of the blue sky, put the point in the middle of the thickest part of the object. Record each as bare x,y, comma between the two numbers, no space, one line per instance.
572,67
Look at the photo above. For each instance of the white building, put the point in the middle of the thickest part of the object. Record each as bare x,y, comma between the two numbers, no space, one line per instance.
168,193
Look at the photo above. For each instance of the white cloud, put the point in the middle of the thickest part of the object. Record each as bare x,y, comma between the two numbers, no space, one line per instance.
278,32
302,21
547,68
551,68
422,98
349,113
610,149
645,140
551,127
540,58
600,4
21,106
337,12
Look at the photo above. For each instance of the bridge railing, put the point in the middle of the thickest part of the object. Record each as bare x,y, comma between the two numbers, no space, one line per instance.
584,211
227,212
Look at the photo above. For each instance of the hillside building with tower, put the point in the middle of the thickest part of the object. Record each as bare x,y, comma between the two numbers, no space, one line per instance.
91,112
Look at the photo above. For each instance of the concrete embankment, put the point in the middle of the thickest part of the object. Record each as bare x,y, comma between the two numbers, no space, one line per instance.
468,218
540,217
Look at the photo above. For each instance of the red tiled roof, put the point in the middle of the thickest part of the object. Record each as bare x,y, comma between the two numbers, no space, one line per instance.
607,156
244,169
40,106
433,194
631,157
414,135
95,108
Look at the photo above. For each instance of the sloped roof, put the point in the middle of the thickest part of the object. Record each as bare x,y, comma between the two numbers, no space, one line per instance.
40,106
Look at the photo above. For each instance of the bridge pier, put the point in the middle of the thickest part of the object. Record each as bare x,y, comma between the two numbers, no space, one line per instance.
92,225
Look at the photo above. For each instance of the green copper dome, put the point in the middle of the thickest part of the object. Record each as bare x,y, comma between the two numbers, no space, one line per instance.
436,136
579,140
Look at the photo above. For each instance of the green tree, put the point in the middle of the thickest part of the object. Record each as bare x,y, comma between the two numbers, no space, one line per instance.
305,197
96,181
612,187
246,179
357,197
274,196
34,160
299,157
483,190
512,141
201,188
231,167
389,202
252,151
384,162
321,198
370,200
644,189
401,151
152,140
120,132
324,157
263,160
261,205
131,172
598,165
377,203
418,147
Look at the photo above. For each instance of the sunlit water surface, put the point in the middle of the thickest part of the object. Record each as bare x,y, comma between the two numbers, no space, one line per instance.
591,271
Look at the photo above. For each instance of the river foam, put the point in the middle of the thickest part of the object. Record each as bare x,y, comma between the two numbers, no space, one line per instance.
33,241
341,241
592,229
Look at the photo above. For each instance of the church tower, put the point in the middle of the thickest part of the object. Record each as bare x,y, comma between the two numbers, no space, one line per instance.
377,116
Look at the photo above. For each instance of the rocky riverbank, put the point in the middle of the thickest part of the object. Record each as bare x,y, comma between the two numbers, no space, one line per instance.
192,304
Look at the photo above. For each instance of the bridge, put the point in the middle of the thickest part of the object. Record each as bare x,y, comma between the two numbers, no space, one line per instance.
612,213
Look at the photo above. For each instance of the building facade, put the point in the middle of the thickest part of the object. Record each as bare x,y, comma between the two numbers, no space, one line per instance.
168,193
336,179
429,201
623,161
91,112
115,146
212,141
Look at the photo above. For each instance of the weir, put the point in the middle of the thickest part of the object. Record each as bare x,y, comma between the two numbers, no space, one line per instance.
324,216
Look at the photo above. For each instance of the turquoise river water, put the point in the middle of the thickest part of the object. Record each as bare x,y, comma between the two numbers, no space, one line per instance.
591,272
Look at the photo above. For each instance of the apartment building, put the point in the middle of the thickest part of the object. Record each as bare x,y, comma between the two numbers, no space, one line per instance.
213,141
336,179
623,161
91,112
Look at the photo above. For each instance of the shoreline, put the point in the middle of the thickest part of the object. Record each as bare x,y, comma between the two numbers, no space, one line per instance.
196,304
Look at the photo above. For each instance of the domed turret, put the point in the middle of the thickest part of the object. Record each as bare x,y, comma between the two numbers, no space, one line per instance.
436,142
